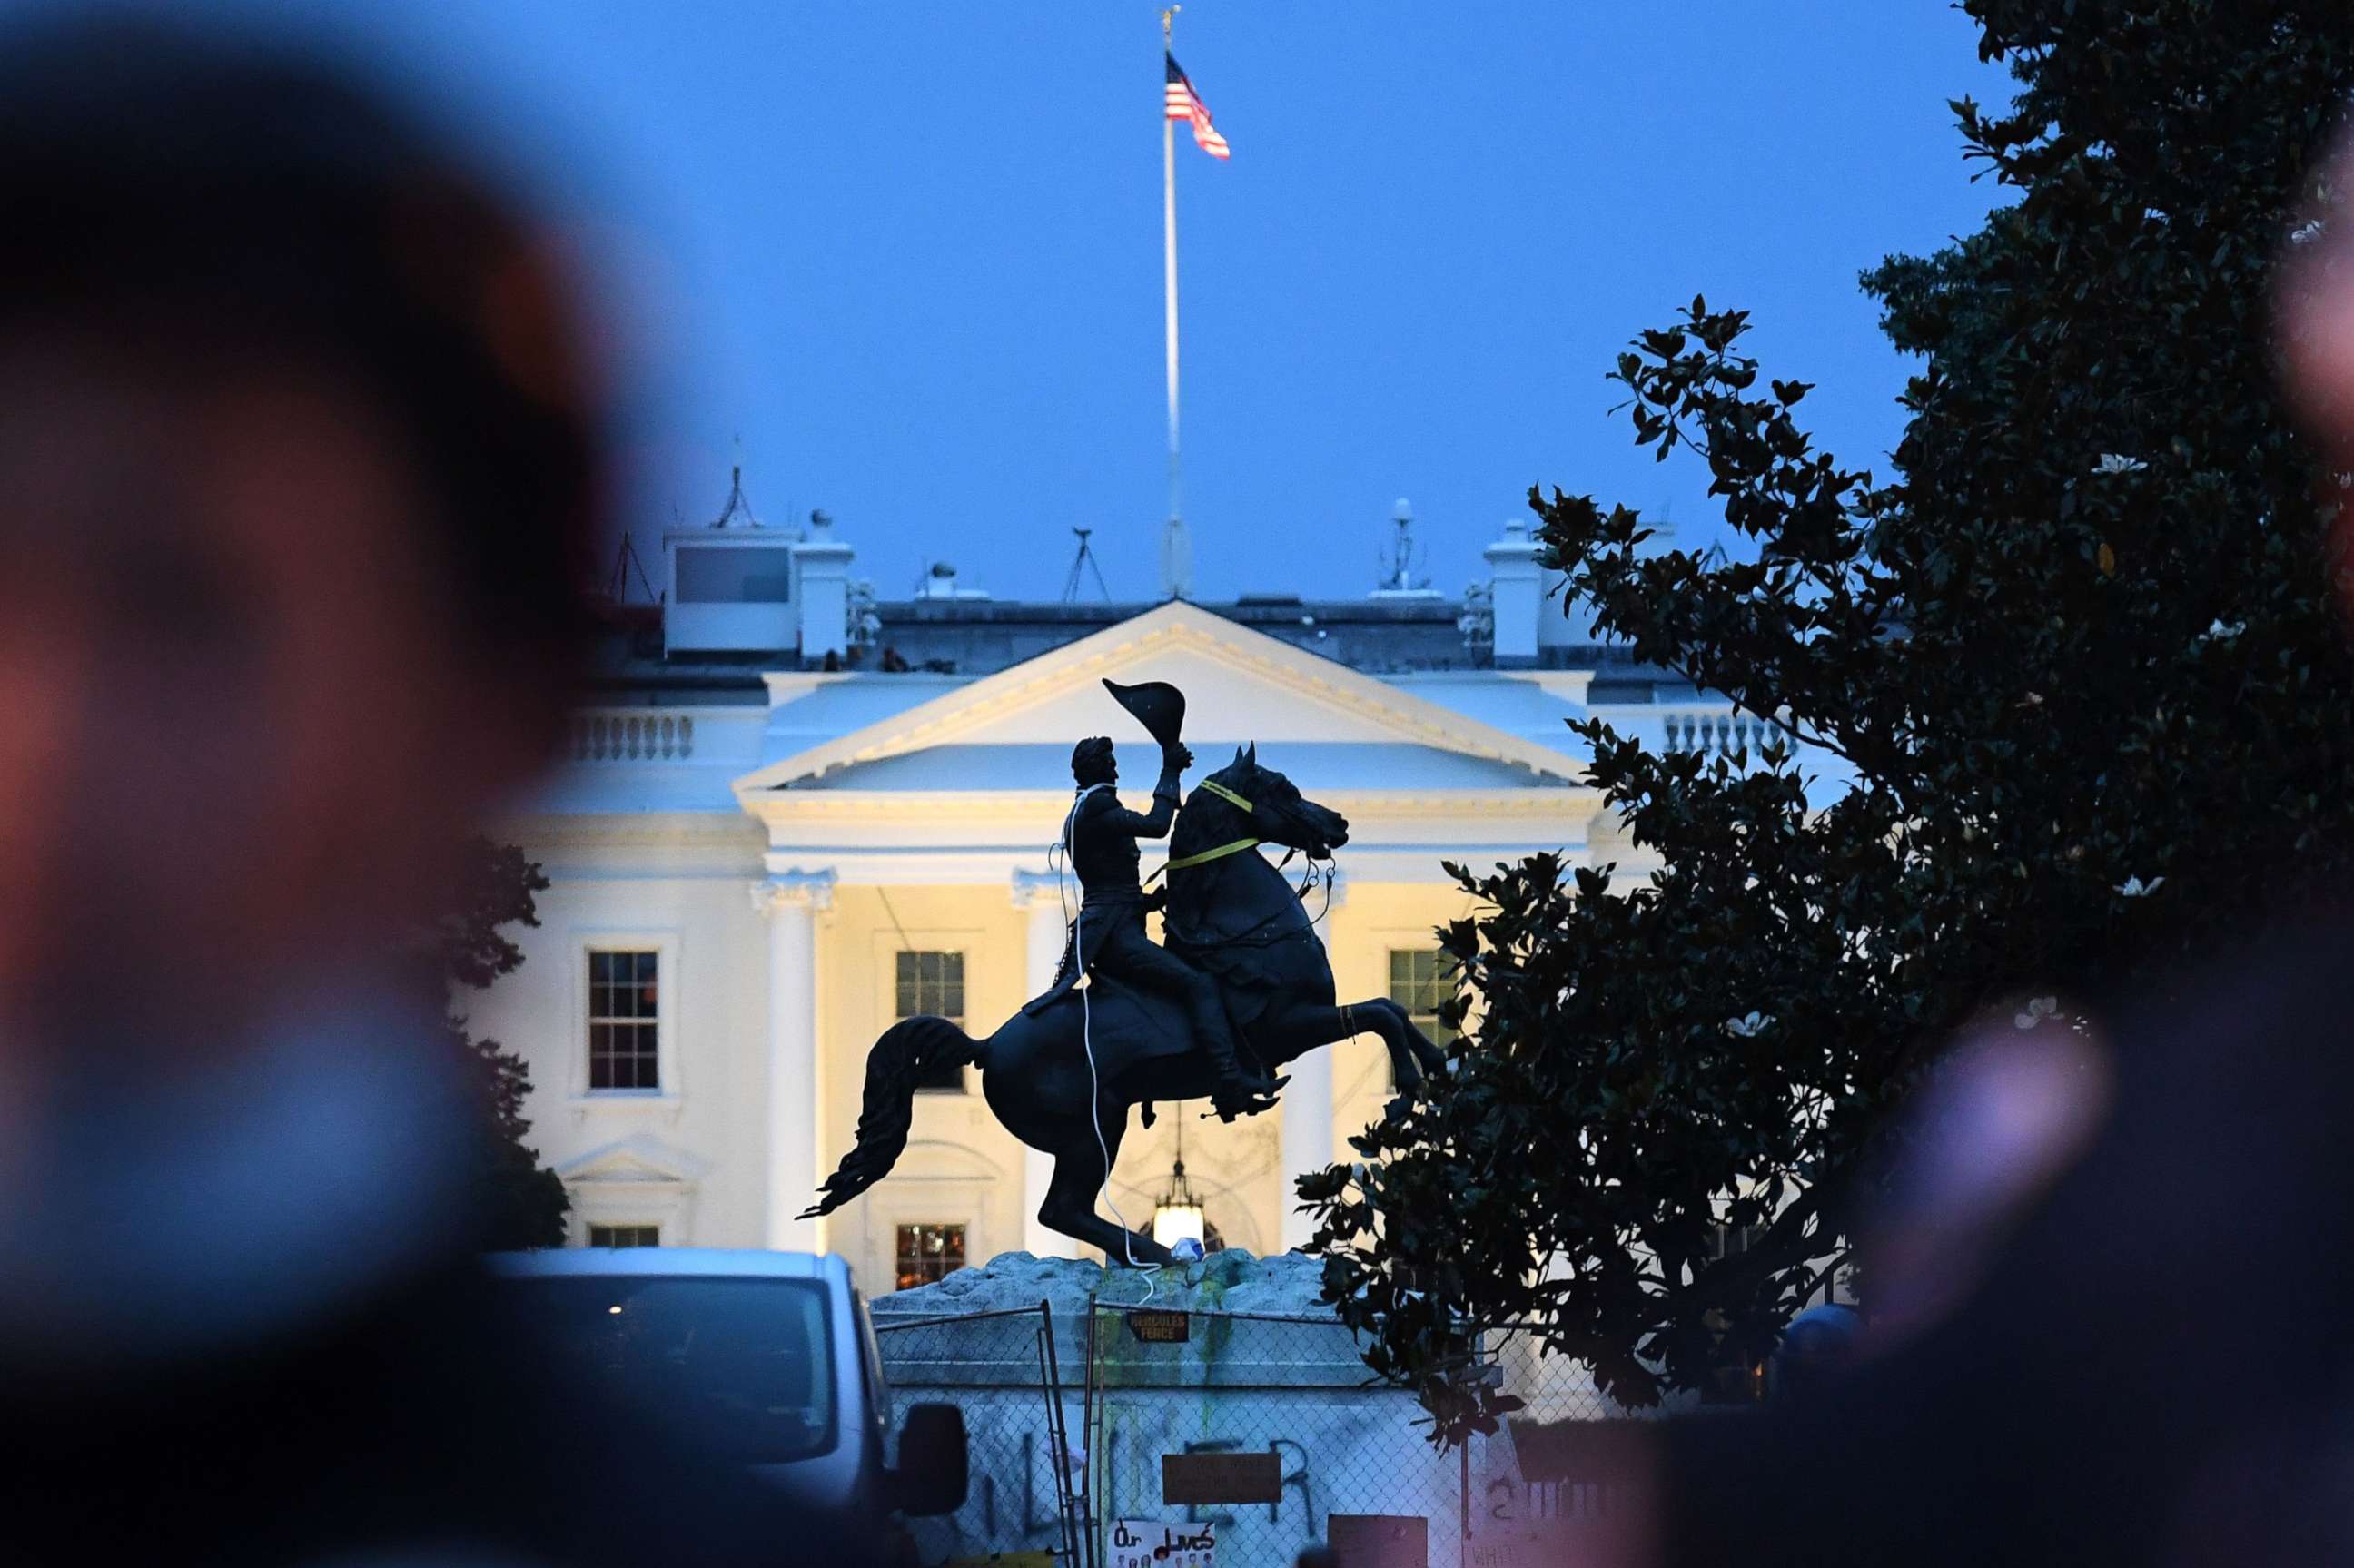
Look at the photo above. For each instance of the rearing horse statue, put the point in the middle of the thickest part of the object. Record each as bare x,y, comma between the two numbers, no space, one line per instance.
1231,915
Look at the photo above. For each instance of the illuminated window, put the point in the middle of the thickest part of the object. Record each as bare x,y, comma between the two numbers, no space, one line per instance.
625,1235
928,1252
624,1021
933,983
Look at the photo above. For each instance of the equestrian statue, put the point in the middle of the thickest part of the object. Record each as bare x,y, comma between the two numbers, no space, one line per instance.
1242,987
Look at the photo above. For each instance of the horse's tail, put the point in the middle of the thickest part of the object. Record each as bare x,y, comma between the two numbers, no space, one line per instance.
910,1051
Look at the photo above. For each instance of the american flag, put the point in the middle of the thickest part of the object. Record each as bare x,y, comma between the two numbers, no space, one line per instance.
1186,104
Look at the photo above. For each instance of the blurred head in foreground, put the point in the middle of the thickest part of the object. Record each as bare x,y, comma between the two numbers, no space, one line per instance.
296,457
295,454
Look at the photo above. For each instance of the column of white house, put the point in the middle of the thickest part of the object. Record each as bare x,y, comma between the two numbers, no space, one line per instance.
1307,1112
1041,894
1306,1136
792,901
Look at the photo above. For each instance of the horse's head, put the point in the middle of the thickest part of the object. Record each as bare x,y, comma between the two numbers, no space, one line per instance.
1278,813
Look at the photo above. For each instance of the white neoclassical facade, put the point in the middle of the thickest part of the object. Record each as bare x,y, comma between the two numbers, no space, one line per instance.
757,864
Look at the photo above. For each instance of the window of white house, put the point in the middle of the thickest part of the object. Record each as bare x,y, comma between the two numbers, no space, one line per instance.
625,1235
932,982
624,1021
1420,979
928,1252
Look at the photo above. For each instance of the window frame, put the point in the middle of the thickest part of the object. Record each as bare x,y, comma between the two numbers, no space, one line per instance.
665,944
963,1086
964,1229
1390,956
1392,949
940,1179
653,1227
619,980
889,942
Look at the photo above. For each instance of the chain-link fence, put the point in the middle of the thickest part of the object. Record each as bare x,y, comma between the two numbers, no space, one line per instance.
1339,1442
1004,1370
1073,1417
1559,1459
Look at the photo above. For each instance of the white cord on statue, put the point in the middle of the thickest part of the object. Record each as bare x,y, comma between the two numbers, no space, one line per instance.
1086,1027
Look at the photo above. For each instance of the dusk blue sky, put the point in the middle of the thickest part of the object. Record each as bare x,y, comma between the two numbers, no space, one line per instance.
910,253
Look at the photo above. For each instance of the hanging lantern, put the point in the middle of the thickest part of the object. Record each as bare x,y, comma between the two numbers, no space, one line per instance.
1178,1216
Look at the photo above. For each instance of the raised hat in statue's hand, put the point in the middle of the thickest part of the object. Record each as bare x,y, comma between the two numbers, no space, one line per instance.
1159,706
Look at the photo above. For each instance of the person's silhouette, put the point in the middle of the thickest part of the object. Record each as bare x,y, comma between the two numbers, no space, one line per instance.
299,453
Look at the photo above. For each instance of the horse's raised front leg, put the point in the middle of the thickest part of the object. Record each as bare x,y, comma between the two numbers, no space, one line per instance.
1070,1204
1427,1052
1310,1026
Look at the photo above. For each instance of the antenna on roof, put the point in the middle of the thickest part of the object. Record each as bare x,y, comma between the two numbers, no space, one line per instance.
736,506
617,581
1081,564
1397,571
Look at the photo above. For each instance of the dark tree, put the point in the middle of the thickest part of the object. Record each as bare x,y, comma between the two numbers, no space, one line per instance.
517,1202
2075,668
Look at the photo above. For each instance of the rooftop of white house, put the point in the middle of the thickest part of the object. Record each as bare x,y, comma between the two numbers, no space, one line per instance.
753,662
738,599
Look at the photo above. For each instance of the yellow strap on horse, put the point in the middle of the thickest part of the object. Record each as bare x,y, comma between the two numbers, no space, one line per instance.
1206,856
1222,793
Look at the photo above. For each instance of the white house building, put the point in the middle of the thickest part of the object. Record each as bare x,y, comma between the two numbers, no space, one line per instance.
796,815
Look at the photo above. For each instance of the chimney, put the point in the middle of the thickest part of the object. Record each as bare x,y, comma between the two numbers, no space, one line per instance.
1518,596
822,591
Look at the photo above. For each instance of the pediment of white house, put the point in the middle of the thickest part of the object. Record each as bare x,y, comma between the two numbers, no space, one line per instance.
1314,718
637,1181
641,1161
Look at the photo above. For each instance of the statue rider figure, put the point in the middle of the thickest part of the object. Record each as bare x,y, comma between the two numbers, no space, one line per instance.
1102,838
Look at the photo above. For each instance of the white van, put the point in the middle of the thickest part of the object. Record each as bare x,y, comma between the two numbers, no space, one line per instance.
768,1356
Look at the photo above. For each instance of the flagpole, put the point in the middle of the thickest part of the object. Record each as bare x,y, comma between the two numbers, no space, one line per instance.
1176,553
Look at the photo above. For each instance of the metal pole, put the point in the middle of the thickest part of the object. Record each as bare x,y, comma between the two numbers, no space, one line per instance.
1176,565
1058,1434
1090,1427
1168,278
1463,1486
